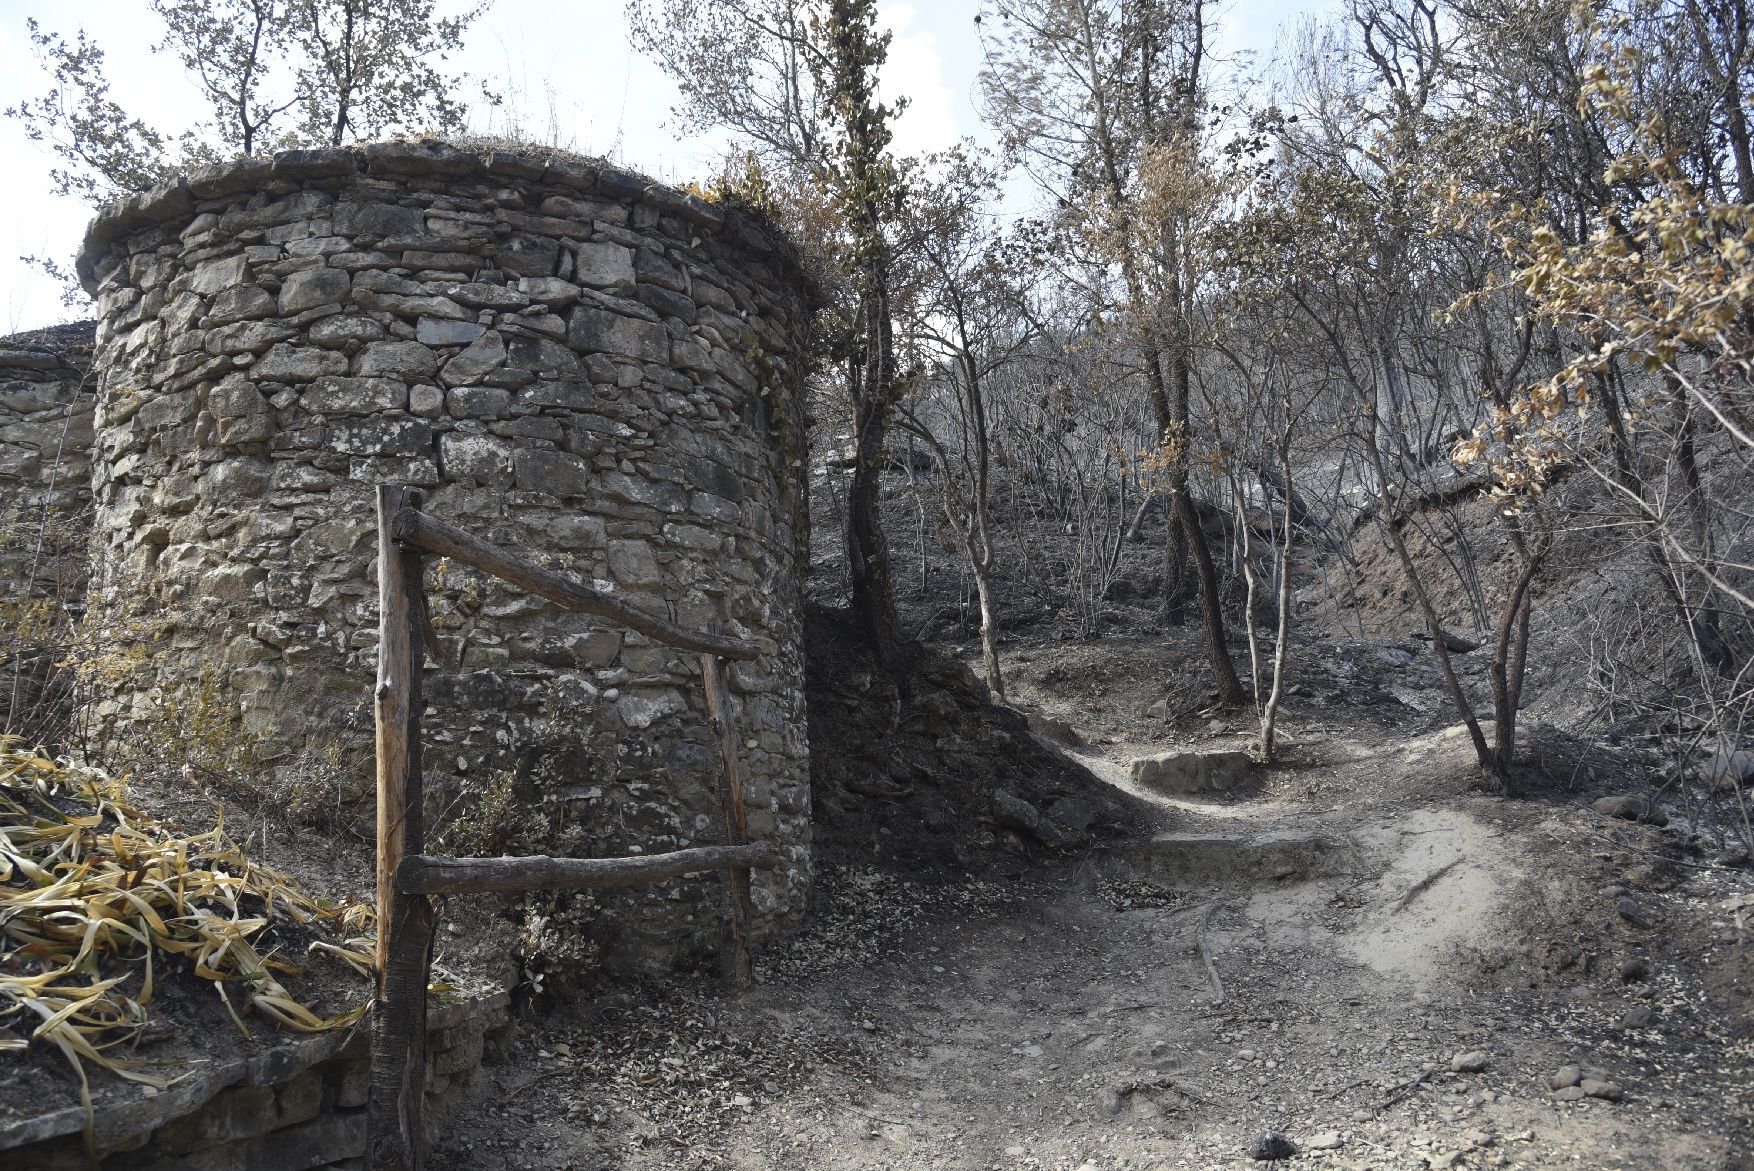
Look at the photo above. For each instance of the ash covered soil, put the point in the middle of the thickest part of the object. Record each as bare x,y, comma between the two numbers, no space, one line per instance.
1358,950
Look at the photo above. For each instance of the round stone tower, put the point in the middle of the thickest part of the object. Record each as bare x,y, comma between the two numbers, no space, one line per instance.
593,370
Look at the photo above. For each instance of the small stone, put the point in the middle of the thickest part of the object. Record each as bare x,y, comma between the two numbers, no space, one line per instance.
445,331
426,402
338,331
1328,1140
1634,970
1014,812
409,361
528,255
1628,910
598,331
1568,1075
605,265
1074,813
1473,1061
313,287
1730,769
1628,807
478,402
239,303
1638,1017
285,363
1570,1094
483,355
1270,1145
1597,1088
1443,1161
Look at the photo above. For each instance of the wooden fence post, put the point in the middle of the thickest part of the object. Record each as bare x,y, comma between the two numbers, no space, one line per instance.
734,958
405,922
406,878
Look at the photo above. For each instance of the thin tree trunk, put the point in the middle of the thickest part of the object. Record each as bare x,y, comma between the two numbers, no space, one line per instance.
1433,625
1506,671
1248,578
989,630
1281,635
873,591
1224,674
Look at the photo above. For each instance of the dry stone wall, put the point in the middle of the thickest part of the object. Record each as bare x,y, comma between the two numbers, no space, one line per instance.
46,403
573,362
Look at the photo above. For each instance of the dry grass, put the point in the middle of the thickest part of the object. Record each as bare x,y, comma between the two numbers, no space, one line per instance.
100,903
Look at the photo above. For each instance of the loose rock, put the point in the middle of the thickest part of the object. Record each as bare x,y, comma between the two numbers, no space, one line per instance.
1271,1145
1638,1017
1730,770
1628,807
1193,772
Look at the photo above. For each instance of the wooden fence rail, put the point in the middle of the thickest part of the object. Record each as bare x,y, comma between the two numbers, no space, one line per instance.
450,876
408,878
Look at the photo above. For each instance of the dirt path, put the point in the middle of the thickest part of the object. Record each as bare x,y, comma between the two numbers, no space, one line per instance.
1363,977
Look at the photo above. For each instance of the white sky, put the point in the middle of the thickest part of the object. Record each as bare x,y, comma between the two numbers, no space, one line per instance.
565,68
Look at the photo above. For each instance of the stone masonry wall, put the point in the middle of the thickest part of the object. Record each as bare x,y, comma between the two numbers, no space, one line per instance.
574,363
45,520
289,1104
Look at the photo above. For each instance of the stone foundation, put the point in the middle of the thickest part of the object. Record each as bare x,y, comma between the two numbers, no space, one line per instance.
296,1105
595,371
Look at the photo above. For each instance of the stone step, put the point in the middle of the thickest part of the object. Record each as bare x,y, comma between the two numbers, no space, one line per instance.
1269,854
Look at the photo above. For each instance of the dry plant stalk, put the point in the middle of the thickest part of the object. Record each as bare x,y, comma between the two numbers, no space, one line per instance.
97,899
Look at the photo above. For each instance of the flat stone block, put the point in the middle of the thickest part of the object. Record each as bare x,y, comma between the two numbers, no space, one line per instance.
1275,855
1194,772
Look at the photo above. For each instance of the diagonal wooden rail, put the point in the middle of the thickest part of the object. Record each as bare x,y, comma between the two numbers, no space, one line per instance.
408,879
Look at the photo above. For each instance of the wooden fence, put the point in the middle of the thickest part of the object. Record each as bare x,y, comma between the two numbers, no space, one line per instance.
408,878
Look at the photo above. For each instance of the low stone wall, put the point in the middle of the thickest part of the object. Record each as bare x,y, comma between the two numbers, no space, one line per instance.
46,403
293,1106
592,369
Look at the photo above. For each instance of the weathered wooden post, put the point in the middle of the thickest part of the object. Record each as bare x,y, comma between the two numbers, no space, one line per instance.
405,921
734,958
